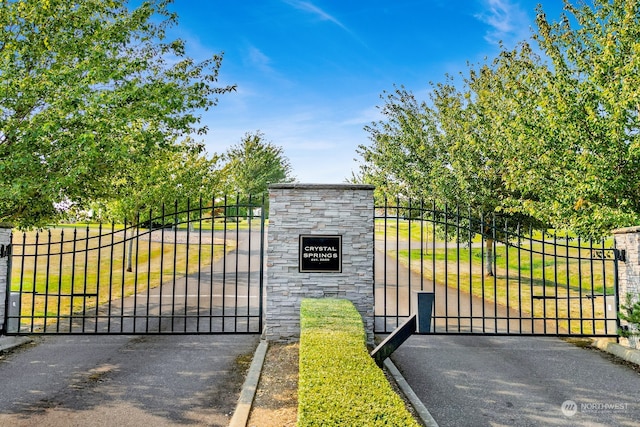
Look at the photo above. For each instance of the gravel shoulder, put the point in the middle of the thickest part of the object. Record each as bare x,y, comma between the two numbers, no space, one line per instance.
276,400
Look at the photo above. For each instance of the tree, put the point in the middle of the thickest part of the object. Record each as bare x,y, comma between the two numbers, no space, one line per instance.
253,164
550,138
408,155
583,160
452,150
456,147
90,92
172,178
163,190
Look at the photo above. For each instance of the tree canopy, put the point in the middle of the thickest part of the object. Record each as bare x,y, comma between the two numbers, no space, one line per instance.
91,91
253,164
173,179
546,132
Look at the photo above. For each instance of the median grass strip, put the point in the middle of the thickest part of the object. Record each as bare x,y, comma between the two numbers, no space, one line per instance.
339,383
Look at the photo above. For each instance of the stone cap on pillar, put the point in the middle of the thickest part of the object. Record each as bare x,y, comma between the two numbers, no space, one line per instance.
626,230
312,186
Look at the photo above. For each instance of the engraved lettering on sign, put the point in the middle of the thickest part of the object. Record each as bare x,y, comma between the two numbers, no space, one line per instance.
320,254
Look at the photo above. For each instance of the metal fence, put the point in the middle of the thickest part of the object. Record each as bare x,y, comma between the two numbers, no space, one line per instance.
189,268
491,275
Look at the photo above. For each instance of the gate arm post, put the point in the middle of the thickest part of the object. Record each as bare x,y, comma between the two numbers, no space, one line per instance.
393,341
5,273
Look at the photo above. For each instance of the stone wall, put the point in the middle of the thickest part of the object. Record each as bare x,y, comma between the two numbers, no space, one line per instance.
628,240
5,239
320,210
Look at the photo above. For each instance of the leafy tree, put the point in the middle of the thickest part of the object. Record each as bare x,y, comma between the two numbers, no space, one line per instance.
164,190
407,155
91,91
582,158
452,149
253,164
550,138
172,178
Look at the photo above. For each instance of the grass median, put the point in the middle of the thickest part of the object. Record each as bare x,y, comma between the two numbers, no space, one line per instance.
339,383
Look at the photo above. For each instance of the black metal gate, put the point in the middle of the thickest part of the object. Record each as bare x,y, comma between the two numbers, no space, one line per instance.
186,269
488,276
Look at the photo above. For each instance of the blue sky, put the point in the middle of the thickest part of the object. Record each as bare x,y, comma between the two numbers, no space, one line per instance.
310,73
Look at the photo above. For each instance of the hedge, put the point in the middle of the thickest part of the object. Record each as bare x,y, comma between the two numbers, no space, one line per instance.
339,384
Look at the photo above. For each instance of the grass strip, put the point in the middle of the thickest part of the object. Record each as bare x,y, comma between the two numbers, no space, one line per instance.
339,383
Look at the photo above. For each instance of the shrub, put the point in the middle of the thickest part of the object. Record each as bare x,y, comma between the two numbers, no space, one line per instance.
339,383
630,312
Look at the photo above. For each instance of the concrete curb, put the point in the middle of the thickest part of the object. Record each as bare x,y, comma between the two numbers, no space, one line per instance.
243,408
422,411
626,353
7,343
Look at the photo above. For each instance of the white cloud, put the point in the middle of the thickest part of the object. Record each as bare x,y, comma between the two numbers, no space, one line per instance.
364,117
315,10
507,21
258,59
307,6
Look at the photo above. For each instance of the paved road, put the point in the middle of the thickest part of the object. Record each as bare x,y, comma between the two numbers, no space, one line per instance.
500,381
518,381
124,381
154,380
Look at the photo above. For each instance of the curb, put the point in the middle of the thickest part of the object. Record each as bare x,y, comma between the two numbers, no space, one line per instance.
243,408
626,353
9,342
422,411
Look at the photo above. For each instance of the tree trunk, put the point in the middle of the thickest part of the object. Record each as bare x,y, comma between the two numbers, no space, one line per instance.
489,257
130,256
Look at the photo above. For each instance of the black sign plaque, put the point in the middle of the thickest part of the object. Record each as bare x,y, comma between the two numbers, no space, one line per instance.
320,254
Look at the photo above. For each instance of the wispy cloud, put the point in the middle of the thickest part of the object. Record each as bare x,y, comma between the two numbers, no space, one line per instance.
258,59
307,6
364,117
509,23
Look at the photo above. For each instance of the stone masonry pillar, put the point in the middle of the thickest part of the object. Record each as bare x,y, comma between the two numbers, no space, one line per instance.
628,240
341,214
5,257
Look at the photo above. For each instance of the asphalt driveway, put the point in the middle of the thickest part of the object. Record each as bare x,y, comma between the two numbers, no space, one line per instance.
518,381
124,381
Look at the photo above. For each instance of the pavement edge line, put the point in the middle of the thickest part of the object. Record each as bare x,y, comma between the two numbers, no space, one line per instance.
421,410
243,408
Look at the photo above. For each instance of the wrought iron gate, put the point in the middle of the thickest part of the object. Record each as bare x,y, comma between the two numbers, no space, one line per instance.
187,269
489,276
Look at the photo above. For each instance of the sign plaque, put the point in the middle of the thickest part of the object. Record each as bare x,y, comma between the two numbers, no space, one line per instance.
320,254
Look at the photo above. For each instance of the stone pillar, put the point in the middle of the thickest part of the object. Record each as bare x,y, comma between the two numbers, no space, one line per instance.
628,240
5,257
317,210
